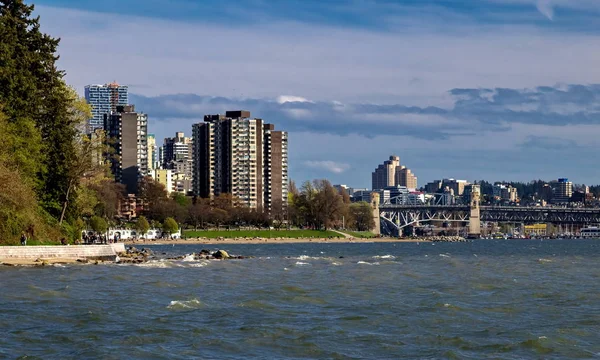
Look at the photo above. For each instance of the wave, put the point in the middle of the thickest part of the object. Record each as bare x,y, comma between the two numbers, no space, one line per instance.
384,257
299,263
184,304
367,263
545,260
444,255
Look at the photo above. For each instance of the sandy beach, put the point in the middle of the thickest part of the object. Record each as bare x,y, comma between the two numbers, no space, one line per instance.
268,241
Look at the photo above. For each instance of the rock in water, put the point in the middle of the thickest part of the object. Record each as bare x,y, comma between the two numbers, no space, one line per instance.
221,254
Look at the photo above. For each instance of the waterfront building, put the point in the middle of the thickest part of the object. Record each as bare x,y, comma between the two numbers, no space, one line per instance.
563,191
126,133
391,173
104,99
242,156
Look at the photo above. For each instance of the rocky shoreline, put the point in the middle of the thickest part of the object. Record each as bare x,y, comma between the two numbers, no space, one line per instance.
135,256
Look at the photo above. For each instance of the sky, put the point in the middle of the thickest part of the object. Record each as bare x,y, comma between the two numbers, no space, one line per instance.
471,89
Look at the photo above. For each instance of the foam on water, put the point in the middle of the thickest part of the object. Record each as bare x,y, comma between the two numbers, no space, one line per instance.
367,263
384,257
184,304
300,263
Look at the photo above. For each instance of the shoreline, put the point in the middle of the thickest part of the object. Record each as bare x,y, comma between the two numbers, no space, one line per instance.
250,241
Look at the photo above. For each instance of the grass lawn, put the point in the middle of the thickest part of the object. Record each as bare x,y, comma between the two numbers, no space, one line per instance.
359,234
261,233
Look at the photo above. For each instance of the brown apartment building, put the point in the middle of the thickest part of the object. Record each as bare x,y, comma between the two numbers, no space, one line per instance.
240,155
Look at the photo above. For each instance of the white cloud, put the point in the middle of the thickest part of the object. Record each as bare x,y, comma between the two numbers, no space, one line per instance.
282,99
331,166
545,7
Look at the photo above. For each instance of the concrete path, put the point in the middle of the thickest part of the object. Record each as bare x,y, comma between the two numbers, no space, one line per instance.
345,235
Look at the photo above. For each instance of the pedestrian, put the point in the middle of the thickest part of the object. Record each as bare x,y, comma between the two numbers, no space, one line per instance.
23,239
63,241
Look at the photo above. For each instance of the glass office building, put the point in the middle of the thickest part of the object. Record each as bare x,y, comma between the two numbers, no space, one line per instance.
104,99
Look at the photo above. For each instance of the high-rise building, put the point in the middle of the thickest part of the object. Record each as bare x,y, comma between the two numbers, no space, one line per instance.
391,173
127,134
563,191
176,155
176,149
104,99
151,152
242,156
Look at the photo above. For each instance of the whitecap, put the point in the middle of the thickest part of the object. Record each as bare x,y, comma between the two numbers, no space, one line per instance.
384,257
199,264
336,264
444,255
544,260
189,257
367,263
301,263
155,264
183,304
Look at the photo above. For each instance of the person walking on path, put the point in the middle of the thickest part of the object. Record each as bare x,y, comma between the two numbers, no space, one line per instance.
23,239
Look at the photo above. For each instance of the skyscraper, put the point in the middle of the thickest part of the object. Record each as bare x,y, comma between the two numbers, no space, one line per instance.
127,134
391,173
177,156
242,156
104,100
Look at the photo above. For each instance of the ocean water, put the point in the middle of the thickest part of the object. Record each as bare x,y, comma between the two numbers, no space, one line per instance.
504,299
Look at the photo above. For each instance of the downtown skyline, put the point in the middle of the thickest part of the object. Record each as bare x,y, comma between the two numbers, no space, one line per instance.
501,90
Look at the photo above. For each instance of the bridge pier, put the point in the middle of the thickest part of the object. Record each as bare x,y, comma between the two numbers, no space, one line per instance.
375,206
474,216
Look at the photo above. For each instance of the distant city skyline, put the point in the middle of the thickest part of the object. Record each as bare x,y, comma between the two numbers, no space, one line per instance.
500,90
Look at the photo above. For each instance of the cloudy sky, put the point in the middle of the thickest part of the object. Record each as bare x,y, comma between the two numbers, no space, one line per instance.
470,89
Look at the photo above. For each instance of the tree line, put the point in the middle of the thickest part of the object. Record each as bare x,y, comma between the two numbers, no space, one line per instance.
316,205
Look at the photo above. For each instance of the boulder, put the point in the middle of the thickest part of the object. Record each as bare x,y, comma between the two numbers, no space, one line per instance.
221,254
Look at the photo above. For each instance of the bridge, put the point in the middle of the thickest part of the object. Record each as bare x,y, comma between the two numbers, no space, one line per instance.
400,212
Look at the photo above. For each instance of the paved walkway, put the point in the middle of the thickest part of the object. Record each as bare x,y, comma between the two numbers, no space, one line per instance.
345,235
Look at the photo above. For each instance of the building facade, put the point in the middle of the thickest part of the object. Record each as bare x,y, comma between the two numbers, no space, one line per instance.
563,191
391,173
241,156
127,135
151,152
104,99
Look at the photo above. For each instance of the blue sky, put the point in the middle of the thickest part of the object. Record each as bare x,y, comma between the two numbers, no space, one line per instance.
482,89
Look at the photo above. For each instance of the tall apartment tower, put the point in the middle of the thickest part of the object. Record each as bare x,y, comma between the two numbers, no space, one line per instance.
127,134
104,99
385,174
236,154
391,173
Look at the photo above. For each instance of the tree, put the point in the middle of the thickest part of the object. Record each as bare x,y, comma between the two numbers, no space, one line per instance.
142,226
98,224
180,199
170,226
199,213
329,203
362,216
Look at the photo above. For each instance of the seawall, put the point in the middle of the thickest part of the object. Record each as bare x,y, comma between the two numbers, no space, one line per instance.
89,252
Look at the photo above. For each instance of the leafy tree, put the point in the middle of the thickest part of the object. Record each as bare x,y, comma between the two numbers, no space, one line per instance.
180,199
199,213
170,226
362,216
98,224
142,225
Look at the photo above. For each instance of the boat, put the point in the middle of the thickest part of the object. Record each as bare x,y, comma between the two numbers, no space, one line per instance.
590,232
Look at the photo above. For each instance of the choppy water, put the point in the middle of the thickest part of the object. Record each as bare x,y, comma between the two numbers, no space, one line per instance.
485,299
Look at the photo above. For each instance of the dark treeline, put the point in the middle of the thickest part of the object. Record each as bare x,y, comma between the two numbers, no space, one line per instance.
316,205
